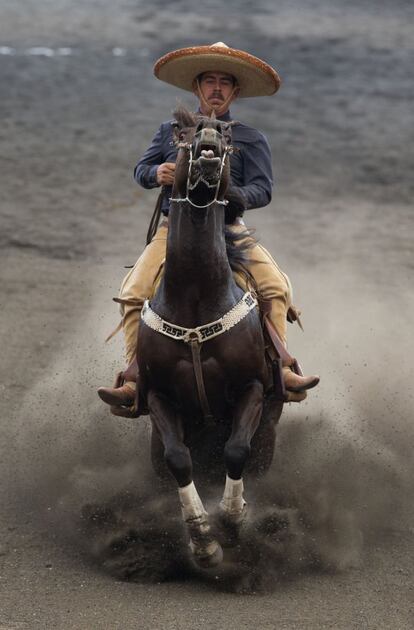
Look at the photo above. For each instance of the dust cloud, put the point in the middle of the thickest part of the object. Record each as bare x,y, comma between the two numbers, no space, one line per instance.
340,481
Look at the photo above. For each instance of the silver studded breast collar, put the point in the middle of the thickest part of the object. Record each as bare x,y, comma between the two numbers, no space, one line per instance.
201,333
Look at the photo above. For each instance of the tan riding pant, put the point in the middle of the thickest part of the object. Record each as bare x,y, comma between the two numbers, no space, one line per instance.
138,285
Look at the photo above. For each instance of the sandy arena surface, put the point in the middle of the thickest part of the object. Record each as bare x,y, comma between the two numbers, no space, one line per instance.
81,510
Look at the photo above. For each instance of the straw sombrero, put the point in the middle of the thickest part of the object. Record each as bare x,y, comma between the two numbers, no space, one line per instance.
181,67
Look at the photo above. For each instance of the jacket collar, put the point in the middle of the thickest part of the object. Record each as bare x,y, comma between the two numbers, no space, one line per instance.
226,117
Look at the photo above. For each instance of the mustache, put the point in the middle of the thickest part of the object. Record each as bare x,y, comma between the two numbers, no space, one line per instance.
217,95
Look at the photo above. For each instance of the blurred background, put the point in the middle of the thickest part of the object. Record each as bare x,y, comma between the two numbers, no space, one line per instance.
78,106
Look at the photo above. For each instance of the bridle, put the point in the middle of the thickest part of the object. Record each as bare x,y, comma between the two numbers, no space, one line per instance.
195,337
188,146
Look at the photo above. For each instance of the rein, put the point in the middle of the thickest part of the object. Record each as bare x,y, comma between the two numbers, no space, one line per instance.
194,337
155,219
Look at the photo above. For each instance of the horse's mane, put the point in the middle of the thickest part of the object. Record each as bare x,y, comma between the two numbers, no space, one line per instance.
236,250
184,117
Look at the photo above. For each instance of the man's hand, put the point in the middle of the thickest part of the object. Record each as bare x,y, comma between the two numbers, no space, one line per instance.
165,174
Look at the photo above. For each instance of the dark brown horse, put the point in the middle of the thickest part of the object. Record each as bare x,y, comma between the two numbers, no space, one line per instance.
200,372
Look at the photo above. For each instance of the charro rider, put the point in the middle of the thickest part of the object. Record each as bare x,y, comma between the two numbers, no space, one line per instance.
217,75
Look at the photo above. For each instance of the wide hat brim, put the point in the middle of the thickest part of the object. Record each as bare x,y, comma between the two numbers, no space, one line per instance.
254,76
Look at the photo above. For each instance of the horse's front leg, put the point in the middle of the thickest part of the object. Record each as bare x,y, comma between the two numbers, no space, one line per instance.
206,550
246,419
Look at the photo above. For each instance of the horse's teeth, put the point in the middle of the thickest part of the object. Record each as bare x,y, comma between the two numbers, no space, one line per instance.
207,153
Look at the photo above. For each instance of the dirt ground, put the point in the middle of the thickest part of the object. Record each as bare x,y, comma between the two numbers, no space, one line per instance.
81,510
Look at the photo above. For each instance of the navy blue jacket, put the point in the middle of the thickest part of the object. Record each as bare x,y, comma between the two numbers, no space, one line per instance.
250,167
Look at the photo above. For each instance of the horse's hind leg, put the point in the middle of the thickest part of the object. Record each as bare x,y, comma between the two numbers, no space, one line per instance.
263,442
207,551
237,449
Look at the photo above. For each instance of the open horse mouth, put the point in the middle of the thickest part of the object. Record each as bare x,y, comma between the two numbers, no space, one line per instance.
208,160
207,157
208,154
207,165
208,143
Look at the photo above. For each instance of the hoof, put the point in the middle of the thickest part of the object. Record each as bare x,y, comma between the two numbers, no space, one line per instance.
207,559
233,518
230,525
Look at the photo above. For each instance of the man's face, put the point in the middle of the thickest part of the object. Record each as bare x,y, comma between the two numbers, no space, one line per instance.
216,88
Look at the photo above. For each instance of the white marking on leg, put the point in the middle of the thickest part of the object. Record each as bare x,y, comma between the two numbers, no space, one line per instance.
205,548
232,502
191,505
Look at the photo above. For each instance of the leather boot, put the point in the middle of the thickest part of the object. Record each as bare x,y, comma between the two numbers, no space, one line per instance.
295,383
123,396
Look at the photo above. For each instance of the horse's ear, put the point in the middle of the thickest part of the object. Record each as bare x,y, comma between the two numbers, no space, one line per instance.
183,117
175,130
213,115
226,129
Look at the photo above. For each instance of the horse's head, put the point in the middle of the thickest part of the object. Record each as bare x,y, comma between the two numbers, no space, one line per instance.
202,171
